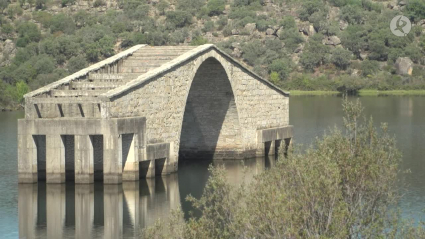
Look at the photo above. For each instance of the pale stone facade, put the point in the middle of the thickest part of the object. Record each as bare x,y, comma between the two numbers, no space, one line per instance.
192,101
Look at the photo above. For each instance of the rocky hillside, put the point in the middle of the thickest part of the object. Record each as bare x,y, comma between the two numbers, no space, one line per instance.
341,45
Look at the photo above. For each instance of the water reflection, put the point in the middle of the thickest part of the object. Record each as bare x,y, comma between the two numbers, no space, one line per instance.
117,211
96,210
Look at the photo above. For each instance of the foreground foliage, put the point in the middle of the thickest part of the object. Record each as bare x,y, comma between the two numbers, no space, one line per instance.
344,186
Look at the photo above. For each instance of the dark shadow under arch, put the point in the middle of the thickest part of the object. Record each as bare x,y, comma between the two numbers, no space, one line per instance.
210,126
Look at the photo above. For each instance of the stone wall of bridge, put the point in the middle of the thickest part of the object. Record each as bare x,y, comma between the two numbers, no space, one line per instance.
252,103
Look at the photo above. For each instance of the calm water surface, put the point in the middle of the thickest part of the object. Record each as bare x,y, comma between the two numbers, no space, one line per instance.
85,211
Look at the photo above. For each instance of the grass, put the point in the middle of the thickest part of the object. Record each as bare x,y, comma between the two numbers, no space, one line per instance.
361,92
391,92
313,92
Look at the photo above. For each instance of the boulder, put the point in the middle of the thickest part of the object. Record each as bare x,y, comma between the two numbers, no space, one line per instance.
343,25
332,40
363,55
270,31
279,32
402,3
307,30
235,45
250,27
9,47
237,53
404,66
235,32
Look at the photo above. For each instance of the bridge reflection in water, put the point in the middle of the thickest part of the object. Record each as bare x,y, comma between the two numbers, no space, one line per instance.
117,211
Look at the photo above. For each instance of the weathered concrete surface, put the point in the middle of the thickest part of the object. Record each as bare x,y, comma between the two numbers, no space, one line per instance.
194,101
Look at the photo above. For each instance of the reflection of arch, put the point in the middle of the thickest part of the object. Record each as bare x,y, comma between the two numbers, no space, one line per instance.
210,121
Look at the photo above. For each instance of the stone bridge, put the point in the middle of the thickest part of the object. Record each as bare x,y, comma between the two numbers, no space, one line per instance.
135,114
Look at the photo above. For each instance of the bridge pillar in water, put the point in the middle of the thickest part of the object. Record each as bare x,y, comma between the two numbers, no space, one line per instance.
84,165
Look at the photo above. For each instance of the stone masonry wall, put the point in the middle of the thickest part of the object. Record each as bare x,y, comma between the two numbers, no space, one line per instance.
162,101
211,119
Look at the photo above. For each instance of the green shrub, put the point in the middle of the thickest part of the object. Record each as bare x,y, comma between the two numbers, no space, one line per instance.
99,3
282,67
215,7
199,40
369,67
178,18
415,10
7,29
341,57
352,14
28,32
309,7
208,26
76,63
162,6
253,52
67,2
62,23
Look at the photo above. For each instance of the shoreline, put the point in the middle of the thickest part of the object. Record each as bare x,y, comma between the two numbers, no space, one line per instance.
360,93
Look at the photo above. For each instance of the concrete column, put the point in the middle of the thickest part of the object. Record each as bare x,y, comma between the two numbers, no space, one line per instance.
112,155
84,170
27,210
270,148
56,206
84,210
112,204
55,159
147,169
131,167
171,162
27,156
132,199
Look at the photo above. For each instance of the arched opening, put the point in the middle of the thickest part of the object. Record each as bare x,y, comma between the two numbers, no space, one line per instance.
210,127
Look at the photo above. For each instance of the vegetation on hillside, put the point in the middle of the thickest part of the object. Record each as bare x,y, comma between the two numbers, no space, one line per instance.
343,45
344,186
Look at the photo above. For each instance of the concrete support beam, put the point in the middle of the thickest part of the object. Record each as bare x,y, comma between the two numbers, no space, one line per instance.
55,159
131,167
27,210
27,156
84,169
56,210
159,152
270,148
84,210
112,204
147,169
112,159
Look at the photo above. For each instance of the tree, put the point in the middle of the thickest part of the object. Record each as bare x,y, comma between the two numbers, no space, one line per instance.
162,6
282,67
344,186
354,39
215,7
315,54
76,63
178,18
352,14
341,57
415,10
369,67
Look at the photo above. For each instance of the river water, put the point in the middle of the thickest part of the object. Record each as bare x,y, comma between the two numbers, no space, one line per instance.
97,211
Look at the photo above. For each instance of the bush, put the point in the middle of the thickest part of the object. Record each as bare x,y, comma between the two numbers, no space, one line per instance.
208,26
178,18
162,6
199,40
215,7
253,51
352,14
282,67
99,3
341,57
62,23
7,29
369,67
68,2
344,186
28,32
76,63
309,7
415,10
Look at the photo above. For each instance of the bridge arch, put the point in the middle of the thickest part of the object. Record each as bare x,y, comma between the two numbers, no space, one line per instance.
210,124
